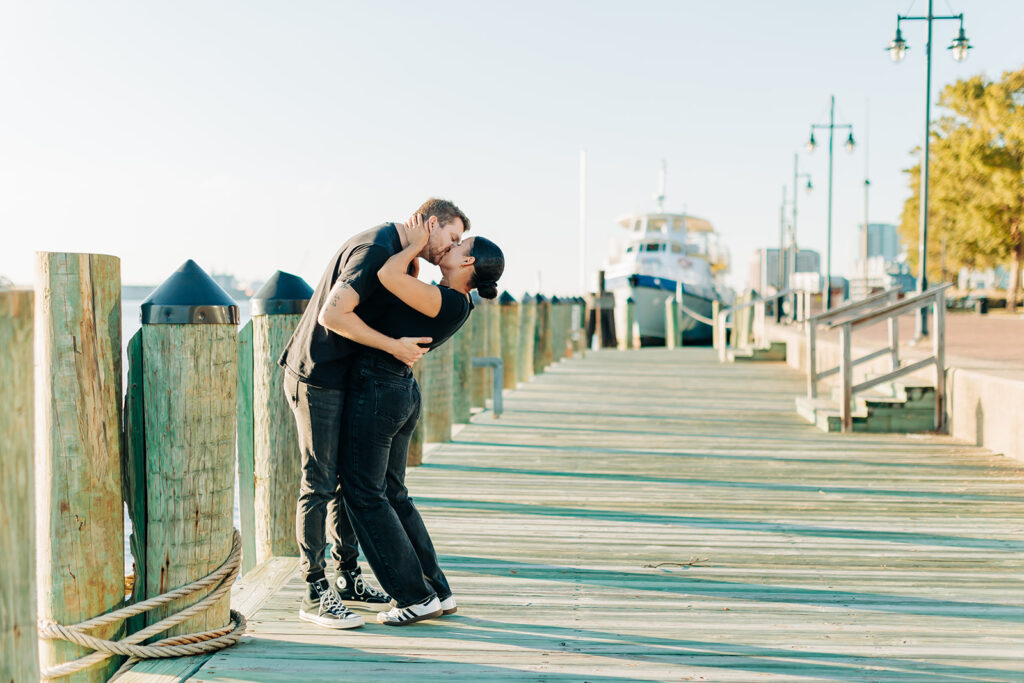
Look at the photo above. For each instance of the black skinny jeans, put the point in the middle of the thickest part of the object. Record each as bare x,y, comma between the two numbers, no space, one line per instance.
381,410
318,421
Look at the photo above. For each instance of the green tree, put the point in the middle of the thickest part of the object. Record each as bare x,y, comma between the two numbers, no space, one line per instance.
976,192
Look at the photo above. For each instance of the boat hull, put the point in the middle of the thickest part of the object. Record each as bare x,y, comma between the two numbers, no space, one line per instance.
649,310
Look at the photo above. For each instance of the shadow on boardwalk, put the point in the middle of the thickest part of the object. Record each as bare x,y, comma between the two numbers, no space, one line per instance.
654,515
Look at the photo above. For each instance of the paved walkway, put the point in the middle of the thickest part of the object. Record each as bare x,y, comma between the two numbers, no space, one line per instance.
654,515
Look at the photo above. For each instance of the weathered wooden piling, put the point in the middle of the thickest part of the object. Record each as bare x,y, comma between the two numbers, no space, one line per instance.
19,651
557,329
509,312
542,335
190,371
581,325
462,389
480,380
527,326
276,310
79,513
671,323
436,391
626,338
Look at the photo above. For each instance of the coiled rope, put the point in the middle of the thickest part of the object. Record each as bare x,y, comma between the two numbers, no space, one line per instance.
221,578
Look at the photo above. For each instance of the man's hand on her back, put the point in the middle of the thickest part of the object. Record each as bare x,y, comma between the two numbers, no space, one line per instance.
408,349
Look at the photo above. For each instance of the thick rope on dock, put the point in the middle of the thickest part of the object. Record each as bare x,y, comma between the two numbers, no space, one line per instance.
696,316
221,578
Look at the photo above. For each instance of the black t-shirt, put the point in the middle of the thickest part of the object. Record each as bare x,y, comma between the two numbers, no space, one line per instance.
314,353
404,321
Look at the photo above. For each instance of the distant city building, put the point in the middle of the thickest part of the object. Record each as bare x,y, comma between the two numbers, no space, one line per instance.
764,267
886,265
990,278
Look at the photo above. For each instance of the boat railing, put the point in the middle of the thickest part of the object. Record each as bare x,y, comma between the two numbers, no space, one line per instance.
849,311
936,299
722,340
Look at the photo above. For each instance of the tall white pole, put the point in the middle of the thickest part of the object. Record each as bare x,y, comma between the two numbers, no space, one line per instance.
867,185
583,221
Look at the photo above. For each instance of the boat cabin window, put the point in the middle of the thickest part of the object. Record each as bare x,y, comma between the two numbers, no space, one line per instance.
629,249
652,246
677,249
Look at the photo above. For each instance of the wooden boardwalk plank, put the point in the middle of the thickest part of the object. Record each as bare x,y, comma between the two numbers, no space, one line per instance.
654,515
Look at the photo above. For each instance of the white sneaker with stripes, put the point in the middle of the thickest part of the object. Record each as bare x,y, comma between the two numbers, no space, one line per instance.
448,605
402,616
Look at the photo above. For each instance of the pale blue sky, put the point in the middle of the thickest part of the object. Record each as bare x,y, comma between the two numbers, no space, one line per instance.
253,136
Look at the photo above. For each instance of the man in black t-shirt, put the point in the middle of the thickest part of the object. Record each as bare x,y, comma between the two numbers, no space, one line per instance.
338,321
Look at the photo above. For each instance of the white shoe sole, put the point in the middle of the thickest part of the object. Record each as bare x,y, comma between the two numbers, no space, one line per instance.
422,617
444,611
331,623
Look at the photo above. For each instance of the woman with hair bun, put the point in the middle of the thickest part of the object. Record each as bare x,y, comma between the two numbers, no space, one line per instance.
380,418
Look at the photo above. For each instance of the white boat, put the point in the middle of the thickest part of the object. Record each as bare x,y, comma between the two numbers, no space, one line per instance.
665,252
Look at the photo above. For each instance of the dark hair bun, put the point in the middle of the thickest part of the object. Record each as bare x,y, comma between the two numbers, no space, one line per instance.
487,290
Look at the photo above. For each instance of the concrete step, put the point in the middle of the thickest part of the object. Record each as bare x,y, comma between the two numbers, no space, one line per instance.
775,351
897,408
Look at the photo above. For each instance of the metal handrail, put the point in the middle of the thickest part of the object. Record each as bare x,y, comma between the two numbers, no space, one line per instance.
935,297
850,310
722,323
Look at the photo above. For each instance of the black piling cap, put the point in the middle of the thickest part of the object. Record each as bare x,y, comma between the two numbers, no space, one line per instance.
189,296
527,299
630,300
541,299
506,299
555,300
283,294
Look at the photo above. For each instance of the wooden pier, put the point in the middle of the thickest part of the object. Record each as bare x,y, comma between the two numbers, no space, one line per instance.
655,515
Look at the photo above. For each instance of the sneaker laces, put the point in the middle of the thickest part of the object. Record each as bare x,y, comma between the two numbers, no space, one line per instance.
361,588
331,604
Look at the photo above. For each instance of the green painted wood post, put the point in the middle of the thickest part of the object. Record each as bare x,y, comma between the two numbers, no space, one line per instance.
414,456
190,376
626,340
581,326
134,474
510,323
436,390
542,335
462,391
671,323
19,650
716,307
557,330
480,379
276,310
527,330
79,508
246,449
493,334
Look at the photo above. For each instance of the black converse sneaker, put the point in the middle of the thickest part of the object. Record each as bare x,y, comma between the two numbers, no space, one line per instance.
402,616
322,606
352,589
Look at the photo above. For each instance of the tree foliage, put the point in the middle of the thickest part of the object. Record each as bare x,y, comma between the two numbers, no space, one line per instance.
976,183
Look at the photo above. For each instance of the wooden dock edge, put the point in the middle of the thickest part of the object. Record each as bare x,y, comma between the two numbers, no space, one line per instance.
247,596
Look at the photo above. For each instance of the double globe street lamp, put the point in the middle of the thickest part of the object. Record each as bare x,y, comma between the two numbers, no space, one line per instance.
897,51
811,144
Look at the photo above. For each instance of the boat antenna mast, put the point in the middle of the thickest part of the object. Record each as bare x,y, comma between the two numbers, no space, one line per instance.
661,188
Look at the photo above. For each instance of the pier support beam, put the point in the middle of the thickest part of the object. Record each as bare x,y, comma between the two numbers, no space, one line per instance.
462,368
436,392
190,374
19,651
480,379
510,324
527,331
79,509
276,310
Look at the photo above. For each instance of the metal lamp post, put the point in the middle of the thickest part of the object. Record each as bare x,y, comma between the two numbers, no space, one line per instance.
811,144
897,51
797,175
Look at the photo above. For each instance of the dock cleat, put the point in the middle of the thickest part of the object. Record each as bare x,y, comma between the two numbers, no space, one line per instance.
326,608
353,590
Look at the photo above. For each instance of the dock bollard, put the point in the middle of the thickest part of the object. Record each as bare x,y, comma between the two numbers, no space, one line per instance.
79,509
436,393
542,336
190,372
510,312
19,649
274,469
480,379
462,366
626,340
527,326
671,323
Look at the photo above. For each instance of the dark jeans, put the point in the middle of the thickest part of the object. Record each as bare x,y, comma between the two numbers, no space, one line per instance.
380,414
318,420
